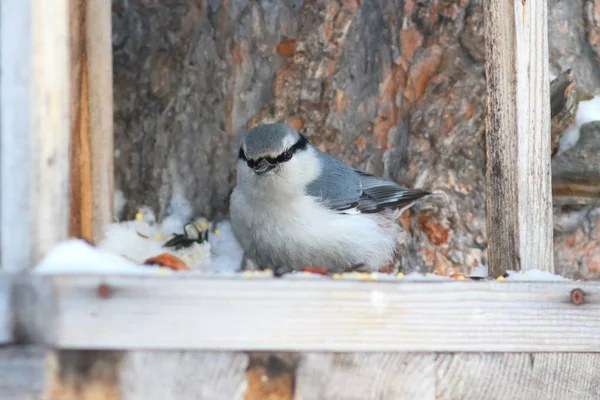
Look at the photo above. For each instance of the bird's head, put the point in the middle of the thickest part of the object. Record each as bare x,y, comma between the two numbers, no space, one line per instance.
268,148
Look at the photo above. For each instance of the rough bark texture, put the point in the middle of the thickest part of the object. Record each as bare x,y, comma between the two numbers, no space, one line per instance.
396,87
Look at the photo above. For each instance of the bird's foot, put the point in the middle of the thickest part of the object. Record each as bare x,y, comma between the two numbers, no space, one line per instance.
313,269
357,268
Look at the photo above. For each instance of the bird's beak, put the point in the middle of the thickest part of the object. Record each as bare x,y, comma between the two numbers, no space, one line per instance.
263,167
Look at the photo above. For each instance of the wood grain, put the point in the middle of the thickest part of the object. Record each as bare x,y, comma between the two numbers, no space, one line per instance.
356,376
83,375
271,376
6,324
160,375
446,376
157,375
301,315
92,170
22,372
519,196
558,376
34,148
80,219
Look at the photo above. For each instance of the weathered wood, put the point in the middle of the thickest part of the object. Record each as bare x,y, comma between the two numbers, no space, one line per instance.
519,197
358,376
22,372
522,376
5,311
155,375
271,376
92,170
287,314
80,218
83,375
159,375
556,376
34,149
32,309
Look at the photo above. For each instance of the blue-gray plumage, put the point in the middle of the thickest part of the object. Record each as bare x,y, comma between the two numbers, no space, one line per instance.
342,187
295,206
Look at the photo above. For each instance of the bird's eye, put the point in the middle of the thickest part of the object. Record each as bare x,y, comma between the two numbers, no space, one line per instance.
287,155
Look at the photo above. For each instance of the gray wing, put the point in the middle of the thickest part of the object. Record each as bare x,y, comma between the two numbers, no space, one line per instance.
342,188
338,186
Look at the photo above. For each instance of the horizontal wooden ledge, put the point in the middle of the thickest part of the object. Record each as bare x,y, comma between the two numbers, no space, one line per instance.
176,312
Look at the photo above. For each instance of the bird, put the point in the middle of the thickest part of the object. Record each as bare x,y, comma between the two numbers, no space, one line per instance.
294,206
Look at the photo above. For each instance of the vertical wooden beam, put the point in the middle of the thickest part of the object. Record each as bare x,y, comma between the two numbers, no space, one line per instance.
83,375
6,322
92,171
34,149
519,195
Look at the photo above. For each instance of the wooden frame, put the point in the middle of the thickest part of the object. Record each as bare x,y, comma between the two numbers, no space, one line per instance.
34,149
389,329
96,312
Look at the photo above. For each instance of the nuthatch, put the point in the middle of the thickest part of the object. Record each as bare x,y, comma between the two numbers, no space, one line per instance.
295,206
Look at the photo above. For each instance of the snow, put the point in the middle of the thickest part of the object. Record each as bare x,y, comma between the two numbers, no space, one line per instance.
533,275
587,111
119,202
226,252
179,212
481,271
76,256
127,244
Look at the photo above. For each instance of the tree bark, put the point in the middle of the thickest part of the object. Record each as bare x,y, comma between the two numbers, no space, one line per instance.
396,87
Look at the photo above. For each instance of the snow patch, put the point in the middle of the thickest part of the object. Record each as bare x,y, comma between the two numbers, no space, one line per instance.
77,256
587,111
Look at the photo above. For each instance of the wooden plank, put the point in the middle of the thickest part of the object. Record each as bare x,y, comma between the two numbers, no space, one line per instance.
5,311
21,372
519,195
461,376
161,375
556,376
80,218
357,376
92,170
330,315
83,375
34,148
155,375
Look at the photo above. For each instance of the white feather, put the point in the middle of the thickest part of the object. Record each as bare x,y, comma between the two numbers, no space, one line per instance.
279,226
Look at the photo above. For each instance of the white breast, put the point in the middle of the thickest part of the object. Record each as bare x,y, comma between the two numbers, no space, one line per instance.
279,226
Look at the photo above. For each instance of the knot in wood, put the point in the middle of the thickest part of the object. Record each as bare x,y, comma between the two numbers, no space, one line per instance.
103,290
577,296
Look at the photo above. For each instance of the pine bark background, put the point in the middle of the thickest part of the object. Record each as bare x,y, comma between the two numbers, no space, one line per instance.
395,87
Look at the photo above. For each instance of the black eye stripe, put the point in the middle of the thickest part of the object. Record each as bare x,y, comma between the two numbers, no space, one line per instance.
283,157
